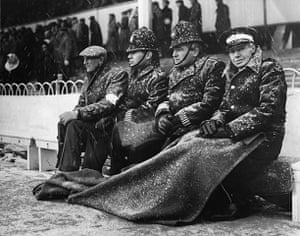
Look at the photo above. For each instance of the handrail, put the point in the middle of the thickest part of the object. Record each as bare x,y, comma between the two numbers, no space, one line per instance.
47,88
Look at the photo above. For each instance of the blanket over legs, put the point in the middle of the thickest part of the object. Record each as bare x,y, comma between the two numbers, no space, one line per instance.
173,186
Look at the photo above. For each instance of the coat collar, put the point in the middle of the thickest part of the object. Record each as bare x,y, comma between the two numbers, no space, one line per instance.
254,64
177,74
93,75
143,71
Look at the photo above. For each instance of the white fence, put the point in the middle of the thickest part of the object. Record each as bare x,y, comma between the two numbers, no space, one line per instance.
47,88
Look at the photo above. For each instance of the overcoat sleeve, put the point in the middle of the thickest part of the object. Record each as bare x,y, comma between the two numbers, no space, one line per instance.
272,91
116,88
157,88
212,97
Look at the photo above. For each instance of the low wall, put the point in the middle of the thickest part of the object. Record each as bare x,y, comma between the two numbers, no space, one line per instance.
33,116
291,142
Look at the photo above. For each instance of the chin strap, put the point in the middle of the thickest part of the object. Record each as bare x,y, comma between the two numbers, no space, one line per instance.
145,52
185,56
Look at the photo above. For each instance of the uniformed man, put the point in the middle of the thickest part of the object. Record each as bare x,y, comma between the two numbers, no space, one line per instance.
195,84
148,86
102,91
254,102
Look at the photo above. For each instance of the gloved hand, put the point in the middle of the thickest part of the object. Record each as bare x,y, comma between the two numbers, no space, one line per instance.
209,127
223,132
164,123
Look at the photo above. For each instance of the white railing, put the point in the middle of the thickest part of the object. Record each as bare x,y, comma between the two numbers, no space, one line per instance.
47,88
291,75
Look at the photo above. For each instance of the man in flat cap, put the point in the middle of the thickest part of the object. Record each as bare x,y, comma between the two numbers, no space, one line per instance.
148,86
88,126
195,84
254,102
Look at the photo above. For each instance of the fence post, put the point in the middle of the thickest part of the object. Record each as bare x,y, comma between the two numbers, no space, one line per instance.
57,83
296,192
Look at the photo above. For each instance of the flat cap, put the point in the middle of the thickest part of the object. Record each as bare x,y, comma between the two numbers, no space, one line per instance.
238,36
93,51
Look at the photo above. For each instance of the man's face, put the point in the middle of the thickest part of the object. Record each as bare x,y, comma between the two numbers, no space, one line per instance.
182,55
241,55
91,63
136,58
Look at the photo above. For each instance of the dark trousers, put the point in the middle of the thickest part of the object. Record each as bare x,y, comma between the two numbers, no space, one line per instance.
81,136
239,181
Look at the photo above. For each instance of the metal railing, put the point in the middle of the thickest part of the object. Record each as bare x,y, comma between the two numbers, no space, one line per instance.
47,88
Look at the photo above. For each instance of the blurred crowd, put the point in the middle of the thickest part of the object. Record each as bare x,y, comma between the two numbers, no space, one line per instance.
51,50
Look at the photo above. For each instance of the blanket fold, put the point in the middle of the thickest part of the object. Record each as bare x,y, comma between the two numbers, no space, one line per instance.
172,187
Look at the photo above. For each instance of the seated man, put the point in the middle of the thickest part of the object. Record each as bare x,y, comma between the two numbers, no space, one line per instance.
196,86
100,96
254,102
148,86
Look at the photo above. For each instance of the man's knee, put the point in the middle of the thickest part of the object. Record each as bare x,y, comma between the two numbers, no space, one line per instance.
73,126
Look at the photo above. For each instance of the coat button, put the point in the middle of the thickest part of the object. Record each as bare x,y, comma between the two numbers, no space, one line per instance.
232,86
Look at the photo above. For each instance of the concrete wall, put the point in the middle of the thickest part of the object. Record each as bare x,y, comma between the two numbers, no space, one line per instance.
33,116
37,117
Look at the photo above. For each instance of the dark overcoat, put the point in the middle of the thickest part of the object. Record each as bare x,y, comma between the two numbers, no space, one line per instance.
254,101
195,92
196,15
93,102
147,88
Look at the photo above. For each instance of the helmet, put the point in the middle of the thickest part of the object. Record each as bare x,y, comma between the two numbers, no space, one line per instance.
142,39
184,32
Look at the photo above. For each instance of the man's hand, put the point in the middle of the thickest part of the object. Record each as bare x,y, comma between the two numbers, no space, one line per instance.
209,127
67,116
223,132
164,124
